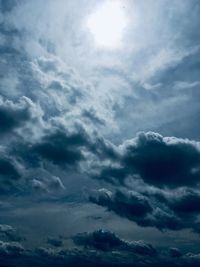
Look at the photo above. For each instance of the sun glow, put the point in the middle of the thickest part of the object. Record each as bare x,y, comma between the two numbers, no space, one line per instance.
107,24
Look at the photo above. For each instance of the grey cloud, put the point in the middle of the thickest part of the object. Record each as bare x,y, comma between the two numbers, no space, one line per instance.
161,161
185,201
6,6
14,115
56,183
107,241
127,204
162,209
55,242
135,207
114,105
91,116
11,248
61,149
10,174
39,185
138,254
175,252
50,184
9,233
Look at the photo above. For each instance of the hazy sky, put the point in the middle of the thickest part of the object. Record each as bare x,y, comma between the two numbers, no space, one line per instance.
99,132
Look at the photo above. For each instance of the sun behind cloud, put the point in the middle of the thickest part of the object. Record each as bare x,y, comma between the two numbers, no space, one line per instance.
107,24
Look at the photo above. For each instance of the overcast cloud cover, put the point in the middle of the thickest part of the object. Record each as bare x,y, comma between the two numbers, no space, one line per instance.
99,149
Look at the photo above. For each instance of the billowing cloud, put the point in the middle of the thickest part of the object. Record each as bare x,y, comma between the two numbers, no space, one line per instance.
11,249
174,211
160,161
61,149
55,242
14,115
9,233
9,174
108,241
102,248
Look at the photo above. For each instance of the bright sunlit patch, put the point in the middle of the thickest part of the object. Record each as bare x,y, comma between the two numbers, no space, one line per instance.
107,24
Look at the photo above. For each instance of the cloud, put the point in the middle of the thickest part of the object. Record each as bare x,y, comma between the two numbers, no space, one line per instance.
107,241
14,115
185,84
126,203
91,116
55,242
9,233
157,160
162,209
50,184
10,174
56,183
52,80
184,201
60,148
175,252
11,249
100,239
8,169
39,185
135,207
104,249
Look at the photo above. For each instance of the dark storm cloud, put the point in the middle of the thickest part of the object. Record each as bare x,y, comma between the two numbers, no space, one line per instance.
174,211
66,149
107,241
9,174
129,204
101,247
14,115
127,254
100,239
11,249
31,50
185,201
55,242
175,252
137,208
165,163
61,149
161,161
8,169
7,232
50,184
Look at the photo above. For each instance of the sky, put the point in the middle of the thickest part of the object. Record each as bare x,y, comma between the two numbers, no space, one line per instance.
99,133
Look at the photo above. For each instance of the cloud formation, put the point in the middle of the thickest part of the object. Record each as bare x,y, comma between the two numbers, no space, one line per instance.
69,114
151,207
160,161
102,248
107,241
